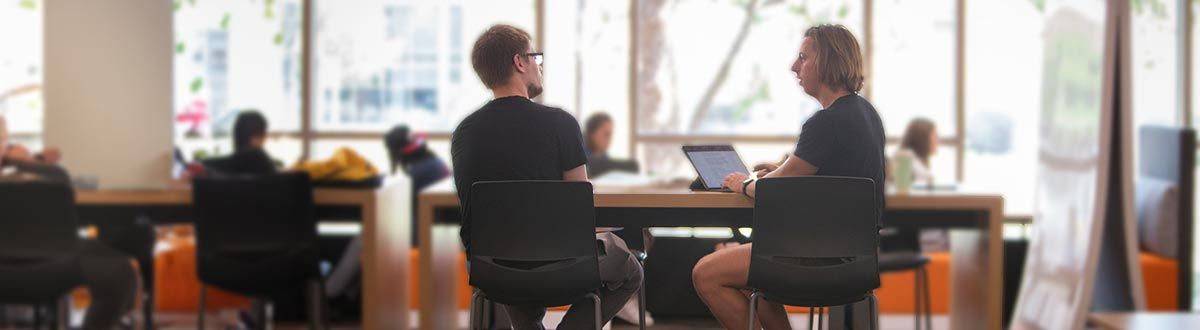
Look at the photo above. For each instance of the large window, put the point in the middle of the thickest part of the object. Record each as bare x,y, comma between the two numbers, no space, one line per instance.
21,70
1003,103
232,56
379,63
587,63
913,72
723,68
1154,30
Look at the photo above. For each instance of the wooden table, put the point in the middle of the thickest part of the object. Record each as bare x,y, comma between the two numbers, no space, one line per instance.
386,225
975,221
1144,320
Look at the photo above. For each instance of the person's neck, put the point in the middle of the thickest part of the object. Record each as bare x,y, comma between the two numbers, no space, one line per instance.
512,88
827,96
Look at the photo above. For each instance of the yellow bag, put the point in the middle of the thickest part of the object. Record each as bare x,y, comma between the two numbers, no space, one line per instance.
345,166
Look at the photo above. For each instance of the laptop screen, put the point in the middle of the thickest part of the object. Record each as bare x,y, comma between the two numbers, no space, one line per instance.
714,163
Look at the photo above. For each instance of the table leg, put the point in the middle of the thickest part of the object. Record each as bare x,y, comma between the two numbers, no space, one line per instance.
386,225
977,274
438,258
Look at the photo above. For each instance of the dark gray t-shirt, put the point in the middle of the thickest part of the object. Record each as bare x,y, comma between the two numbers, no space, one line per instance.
513,138
846,139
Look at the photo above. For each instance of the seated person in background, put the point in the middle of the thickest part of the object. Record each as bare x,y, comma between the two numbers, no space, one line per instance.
513,138
249,157
16,154
597,135
921,143
409,153
598,131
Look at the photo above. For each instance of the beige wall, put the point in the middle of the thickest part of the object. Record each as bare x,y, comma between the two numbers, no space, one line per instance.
108,89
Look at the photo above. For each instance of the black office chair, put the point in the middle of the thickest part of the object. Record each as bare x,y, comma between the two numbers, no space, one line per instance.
257,236
39,247
816,242
533,243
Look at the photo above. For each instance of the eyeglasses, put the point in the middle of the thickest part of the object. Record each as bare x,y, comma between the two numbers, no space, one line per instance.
537,57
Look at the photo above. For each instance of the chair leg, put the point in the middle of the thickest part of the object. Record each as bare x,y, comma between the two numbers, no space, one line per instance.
52,315
37,317
873,308
596,307
64,313
810,318
148,311
316,305
925,294
201,308
268,315
820,313
917,299
642,302
473,313
753,309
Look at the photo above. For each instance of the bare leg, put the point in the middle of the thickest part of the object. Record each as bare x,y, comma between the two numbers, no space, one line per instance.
720,278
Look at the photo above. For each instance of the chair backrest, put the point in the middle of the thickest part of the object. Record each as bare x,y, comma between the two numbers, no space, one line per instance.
533,242
48,172
1169,154
39,241
37,218
816,240
247,221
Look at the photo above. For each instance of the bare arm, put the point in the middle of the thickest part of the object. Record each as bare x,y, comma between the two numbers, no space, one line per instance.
793,166
579,173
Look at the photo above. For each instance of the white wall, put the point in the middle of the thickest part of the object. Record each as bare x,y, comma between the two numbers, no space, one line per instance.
108,89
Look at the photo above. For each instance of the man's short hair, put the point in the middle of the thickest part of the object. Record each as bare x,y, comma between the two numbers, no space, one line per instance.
493,52
839,60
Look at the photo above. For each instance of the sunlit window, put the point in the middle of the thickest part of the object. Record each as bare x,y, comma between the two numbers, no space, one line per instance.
21,70
232,56
378,63
1003,103
587,63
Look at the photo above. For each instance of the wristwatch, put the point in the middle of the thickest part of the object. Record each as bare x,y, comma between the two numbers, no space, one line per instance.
746,186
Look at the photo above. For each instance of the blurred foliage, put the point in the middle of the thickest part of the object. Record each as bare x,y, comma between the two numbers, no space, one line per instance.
180,47
225,21
269,9
1158,8
197,84
29,4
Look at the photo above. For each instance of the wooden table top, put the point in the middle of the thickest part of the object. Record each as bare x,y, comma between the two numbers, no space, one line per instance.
443,193
183,196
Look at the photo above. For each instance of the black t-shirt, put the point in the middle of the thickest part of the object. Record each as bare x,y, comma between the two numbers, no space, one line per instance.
247,161
845,139
513,138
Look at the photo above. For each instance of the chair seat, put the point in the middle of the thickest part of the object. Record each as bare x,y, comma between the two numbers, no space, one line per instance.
899,261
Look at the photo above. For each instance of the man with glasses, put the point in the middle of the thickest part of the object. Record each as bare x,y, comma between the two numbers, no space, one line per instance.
514,138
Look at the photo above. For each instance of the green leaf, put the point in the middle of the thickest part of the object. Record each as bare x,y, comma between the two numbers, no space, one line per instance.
180,47
278,38
843,12
29,4
197,83
175,5
225,22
